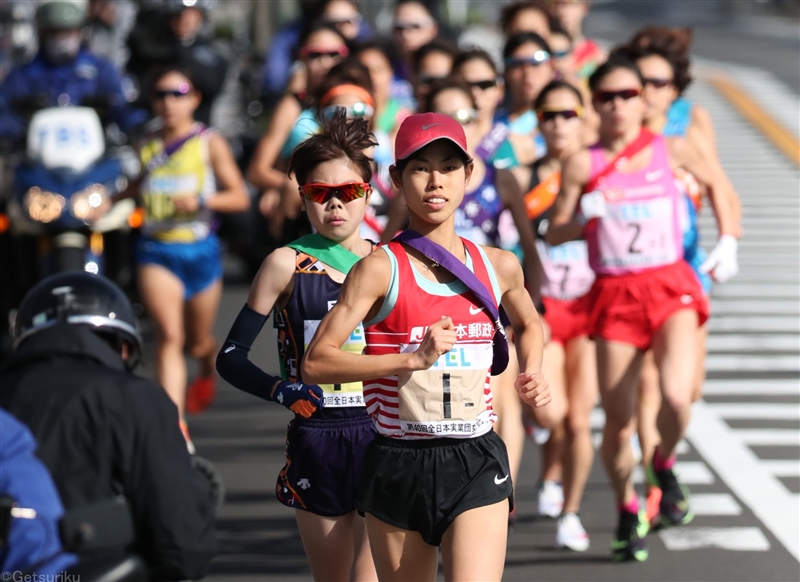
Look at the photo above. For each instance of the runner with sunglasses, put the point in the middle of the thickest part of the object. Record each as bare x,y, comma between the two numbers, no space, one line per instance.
564,281
645,295
436,474
413,27
321,48
528,68
326,440
189,174
662,54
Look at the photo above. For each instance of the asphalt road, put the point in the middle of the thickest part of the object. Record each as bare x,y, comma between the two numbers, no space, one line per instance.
741,458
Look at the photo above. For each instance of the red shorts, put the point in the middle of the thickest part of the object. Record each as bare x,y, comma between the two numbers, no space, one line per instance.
568,319
632,308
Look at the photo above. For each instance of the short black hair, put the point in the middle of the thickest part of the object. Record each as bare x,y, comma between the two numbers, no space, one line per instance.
437,45
555,86
671,44
349,72
175,67
615,62
339,138
441,85
474,54
510,11
522,38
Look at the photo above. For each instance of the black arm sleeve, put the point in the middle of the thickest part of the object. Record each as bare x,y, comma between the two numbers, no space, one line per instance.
232,361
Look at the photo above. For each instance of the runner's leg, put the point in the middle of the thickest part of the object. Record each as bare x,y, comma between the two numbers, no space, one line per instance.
581,371
474,546
508,407
201,312
618,368
363,564
162,296
552,416
675,351
649,405
330,546
702,351
401,555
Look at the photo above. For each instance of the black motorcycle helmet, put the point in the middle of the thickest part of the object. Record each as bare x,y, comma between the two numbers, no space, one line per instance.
80,298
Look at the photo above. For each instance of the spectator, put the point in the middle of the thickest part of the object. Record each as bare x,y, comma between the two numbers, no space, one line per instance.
101,429
526,16
31,543
414,26
432,62
63,73
344,15
185,42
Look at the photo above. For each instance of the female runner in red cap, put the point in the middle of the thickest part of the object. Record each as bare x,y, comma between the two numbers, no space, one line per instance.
436,474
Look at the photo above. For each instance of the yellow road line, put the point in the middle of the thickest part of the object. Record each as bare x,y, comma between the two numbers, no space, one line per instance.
774,131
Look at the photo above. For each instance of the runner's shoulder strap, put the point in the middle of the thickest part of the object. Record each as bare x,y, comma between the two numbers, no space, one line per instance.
326,251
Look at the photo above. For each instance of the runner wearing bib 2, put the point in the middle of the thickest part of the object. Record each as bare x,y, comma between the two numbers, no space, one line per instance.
662,55
300,283
645,294
436,474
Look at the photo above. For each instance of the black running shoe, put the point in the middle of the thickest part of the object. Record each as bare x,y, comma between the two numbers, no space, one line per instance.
628,545
674,505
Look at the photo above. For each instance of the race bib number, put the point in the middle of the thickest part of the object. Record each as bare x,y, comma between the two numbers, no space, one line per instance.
347,394
158,195
566,270
452,390
638,234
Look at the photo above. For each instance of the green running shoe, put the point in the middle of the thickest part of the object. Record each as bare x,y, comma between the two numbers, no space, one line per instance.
628,545
674,504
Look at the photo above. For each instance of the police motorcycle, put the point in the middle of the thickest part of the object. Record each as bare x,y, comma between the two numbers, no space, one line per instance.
67,174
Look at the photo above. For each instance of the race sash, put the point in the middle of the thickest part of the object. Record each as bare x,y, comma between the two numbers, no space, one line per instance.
492,141
643,140
327,251
446,259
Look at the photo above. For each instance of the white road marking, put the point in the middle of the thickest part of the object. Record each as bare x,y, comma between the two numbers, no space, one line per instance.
757,410
728,363
688,472
762,387
744,474
790,468
715,504
738,539
774,437
760,323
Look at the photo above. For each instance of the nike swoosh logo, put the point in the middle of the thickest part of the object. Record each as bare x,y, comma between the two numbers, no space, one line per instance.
500,481
475,310
424,127
229,349
652,176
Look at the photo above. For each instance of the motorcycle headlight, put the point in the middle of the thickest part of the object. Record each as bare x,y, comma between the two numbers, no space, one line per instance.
43,206
87,200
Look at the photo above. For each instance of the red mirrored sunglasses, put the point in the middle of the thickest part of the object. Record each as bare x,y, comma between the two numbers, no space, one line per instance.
321,193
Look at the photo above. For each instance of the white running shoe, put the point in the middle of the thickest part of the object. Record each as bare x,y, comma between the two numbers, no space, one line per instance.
570,533
551,499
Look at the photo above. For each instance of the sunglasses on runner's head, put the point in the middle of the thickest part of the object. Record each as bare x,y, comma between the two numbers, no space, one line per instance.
483,85
609,96
545,114
538,58
182,90
313,53
352,111
658,83
410,25
465,116
321,193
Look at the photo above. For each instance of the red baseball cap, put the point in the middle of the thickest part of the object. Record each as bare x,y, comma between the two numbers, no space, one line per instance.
421,129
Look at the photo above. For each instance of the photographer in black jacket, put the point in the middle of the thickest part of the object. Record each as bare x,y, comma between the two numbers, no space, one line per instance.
103,431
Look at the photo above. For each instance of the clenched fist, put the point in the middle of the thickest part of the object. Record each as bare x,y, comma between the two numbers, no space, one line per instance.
533,389
439,339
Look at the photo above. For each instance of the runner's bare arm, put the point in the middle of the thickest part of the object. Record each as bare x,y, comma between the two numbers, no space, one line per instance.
231,195
528,334
360,299
683,154
564,225
512,195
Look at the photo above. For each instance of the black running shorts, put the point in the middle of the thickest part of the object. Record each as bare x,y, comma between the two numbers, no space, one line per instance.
423,485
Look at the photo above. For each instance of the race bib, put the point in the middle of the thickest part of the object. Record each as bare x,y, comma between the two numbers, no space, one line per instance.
340,395
636,235
565,268
158,194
